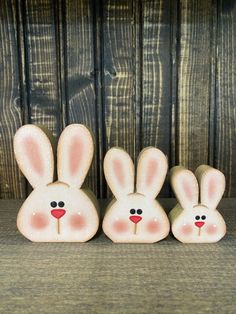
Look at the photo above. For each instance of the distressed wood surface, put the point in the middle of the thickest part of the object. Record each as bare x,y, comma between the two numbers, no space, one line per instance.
101,277
119,75
11,182
156,77
41,64
80,74
137,73
225,120
194,68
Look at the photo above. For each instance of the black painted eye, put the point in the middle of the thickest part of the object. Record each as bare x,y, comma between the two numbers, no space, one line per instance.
139,211
197,217
61,204
132,211
53,204
203,217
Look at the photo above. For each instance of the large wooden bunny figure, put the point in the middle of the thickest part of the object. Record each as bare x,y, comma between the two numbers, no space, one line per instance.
56,211
195,219
134,215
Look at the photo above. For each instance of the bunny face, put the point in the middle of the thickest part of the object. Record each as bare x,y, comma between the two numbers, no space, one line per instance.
59,211
135,217
194,222
199,225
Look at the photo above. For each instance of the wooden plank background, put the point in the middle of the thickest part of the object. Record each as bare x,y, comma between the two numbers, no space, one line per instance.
137,73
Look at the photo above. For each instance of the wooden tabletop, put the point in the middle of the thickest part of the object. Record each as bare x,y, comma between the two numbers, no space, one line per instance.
102,277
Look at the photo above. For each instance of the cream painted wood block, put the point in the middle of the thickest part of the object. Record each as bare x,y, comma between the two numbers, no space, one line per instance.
57,211
134,216
195,218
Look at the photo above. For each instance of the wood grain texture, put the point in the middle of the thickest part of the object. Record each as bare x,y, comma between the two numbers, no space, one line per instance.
156,106
137,73
11,181
41,64
194,90
156,76
119,74
100,277
225,119
80,78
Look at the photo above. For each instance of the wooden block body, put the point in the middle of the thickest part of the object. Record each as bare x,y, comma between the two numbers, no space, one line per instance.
134,215
56,211
152,227
195,218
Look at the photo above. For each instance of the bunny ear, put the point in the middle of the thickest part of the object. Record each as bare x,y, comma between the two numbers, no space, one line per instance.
34,155
151,171
119,172
185,186
212,185
74,154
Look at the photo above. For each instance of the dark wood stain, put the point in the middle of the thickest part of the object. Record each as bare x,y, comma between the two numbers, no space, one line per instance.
225,121
137,73
11,182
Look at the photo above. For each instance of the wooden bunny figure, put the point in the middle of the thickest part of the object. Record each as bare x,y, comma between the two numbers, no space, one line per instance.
57,211
134,215
195,220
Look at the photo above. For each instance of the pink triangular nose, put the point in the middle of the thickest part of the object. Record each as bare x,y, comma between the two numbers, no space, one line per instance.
58,213
135,219
199,224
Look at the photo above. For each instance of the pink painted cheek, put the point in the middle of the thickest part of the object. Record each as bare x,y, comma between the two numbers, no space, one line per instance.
153,226
120,226
77,221
186,230
39,221
211,229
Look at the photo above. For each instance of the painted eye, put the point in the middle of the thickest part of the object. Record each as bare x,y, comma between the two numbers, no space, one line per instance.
203,217
61,204
132,211
53,204
139,211
197,217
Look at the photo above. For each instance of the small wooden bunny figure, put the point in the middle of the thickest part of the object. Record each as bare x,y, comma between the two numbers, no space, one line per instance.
194,220
56,211
134,215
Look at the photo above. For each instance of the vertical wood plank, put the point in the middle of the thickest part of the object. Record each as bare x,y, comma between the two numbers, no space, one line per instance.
81,93
41,64
156,76
174,33
194,85
98,65
119,54
225,144
12,184
119,75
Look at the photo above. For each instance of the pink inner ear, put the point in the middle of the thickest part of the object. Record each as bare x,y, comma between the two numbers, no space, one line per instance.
118,170
75,155
211,187
34,155
151,171
188,191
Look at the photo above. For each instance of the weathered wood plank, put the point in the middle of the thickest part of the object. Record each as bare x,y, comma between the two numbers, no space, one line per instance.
156,76
83,106
194,86
41,64
119,75
12,184
98,52
225,145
